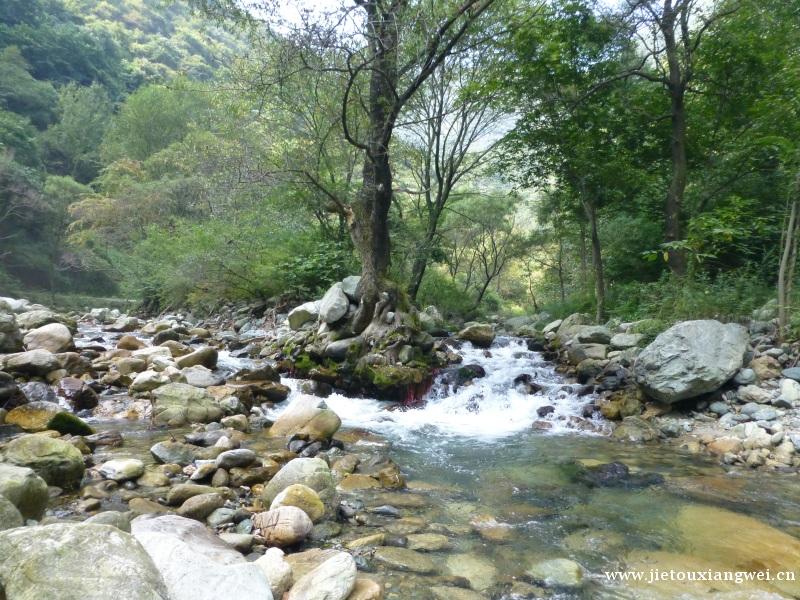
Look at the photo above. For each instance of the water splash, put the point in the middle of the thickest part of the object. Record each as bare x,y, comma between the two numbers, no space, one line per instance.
491,407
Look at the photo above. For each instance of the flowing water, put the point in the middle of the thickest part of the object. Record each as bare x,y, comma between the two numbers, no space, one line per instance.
507,490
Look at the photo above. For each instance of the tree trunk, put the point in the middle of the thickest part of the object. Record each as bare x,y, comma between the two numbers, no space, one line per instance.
788,259
597,262
421,260
369,221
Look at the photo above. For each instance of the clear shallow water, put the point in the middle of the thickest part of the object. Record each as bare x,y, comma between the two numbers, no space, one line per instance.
475,458
472,457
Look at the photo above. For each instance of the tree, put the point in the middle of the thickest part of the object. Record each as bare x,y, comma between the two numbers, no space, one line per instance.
449,123
672,31
72,145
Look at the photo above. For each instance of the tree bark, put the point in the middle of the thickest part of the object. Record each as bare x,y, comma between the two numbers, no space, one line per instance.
789,241
597,262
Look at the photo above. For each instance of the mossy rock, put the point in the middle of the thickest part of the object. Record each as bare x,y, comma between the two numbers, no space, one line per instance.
67,423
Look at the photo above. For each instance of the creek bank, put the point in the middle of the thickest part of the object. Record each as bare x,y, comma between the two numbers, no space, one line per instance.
724,389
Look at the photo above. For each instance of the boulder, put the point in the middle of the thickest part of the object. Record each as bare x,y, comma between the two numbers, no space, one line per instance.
79,395
623,341
307,416
53,337
557,572
206,356
202,377
568,327
311,472
334,304
41,416
178,404
201,506
305,313
339,349
479,334
10,517
284,526
403,559
24,489
122,469
195,564
350,287
578,353
334,579
58,462
169,452
592,334
38,391
10,393
690,359
148,380
39,317
77,561
10,336
14,305
33,362
304,498
124,324
277,570
241,457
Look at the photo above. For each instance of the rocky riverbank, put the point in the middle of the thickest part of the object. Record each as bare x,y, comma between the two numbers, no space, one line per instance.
703,386
146,455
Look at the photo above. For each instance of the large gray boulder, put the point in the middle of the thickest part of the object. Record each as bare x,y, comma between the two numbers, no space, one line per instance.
177,404
480,334
58,462
350,287
10,336
54,337
195,564
24,489
76,561
334,304
305,313
691,358
33,362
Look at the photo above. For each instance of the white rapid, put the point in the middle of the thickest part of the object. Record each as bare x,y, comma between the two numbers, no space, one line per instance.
489,408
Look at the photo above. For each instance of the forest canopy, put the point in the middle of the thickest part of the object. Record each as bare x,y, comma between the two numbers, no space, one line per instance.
630,159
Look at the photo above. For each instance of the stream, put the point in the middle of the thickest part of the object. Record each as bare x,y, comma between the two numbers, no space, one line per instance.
475,463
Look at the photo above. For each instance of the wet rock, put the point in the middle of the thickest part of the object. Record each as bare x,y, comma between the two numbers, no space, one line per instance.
525,383
206,356
53,337
24,489
340,349
148,380
121,521
402,559
180,493
577,353
284,526
102,562
56,461
635,429
427,542
33,362
617,474
334,579
202,377
691,358
122,469
241,457
480,334
304,498
201,506
178,404
557,573
479,571
143,506
168,452
79,395
447,592
366,589
307,417
195,564
124,324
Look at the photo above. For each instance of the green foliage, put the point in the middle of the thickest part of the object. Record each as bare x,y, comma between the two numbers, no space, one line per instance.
72,145
445,294
18,139
21,93
321,264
